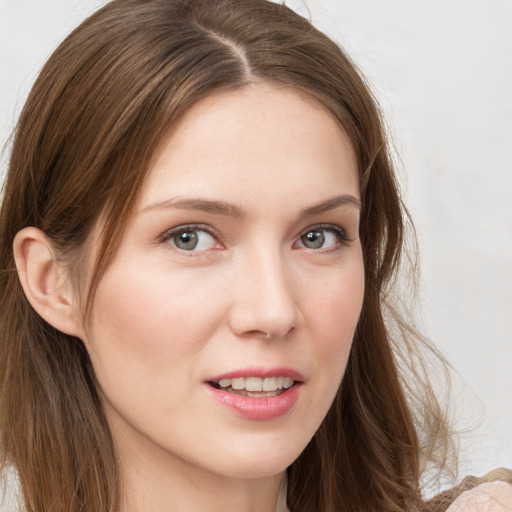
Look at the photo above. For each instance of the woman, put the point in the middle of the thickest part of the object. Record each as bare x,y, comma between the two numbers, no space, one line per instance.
200,227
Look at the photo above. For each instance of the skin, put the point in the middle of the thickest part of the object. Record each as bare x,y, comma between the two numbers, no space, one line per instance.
251,294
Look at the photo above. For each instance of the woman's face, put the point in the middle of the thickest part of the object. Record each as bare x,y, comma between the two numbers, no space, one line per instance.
221,331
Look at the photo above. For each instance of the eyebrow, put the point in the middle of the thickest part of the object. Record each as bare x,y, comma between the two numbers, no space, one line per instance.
231,210
204,205
332,203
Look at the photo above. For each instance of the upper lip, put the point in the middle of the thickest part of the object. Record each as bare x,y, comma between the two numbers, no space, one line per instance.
261,372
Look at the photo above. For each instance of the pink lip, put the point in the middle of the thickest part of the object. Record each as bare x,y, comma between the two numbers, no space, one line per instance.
262,373
261,409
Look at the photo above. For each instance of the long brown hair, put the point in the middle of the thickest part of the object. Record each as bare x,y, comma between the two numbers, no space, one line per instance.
82,147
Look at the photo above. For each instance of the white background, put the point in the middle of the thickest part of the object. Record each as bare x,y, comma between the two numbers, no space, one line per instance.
442,70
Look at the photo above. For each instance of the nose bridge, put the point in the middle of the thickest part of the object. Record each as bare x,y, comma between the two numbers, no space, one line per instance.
265,301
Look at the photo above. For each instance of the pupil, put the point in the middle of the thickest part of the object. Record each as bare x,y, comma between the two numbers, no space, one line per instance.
314,239
187,240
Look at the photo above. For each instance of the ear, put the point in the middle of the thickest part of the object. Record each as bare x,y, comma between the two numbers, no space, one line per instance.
44,281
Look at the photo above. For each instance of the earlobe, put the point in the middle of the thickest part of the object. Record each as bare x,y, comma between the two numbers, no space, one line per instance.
44,280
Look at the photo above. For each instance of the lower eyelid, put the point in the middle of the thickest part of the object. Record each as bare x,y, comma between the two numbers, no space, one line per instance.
340,233
171,233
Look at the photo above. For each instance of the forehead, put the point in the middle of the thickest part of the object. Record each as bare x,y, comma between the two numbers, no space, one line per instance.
260,137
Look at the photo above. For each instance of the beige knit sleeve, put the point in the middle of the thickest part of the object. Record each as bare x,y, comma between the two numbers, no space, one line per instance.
487,497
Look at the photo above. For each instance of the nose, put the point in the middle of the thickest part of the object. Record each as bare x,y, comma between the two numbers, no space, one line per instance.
264,302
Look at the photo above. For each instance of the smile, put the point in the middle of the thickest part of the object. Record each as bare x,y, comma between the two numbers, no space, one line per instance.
257,393
255,387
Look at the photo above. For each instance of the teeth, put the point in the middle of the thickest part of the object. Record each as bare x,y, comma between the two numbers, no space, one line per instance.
270,384
253,384
256,384
237,383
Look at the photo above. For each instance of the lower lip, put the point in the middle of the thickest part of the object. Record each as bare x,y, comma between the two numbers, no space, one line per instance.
261,409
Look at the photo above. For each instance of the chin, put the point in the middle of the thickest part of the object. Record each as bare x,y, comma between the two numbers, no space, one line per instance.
261,459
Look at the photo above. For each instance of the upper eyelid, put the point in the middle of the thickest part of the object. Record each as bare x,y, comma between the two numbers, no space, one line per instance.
168,233
328,226
192,227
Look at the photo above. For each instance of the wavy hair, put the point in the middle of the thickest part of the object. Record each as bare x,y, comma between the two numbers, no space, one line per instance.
82,148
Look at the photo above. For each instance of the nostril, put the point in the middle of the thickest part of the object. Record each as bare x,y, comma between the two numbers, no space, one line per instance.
263,319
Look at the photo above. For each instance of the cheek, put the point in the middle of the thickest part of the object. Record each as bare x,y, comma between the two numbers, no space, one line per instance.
144,342
335,309
142,302
142,326
332,316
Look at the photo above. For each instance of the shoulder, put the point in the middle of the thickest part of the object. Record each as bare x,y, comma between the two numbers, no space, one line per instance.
486,497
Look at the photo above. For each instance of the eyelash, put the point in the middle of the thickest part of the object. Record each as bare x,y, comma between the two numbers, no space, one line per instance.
339,232
169,234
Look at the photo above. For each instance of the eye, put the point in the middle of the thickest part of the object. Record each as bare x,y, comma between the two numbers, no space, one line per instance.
190,238
323,237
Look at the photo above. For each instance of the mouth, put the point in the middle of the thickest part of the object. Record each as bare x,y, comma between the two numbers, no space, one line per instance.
254,387
257,393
